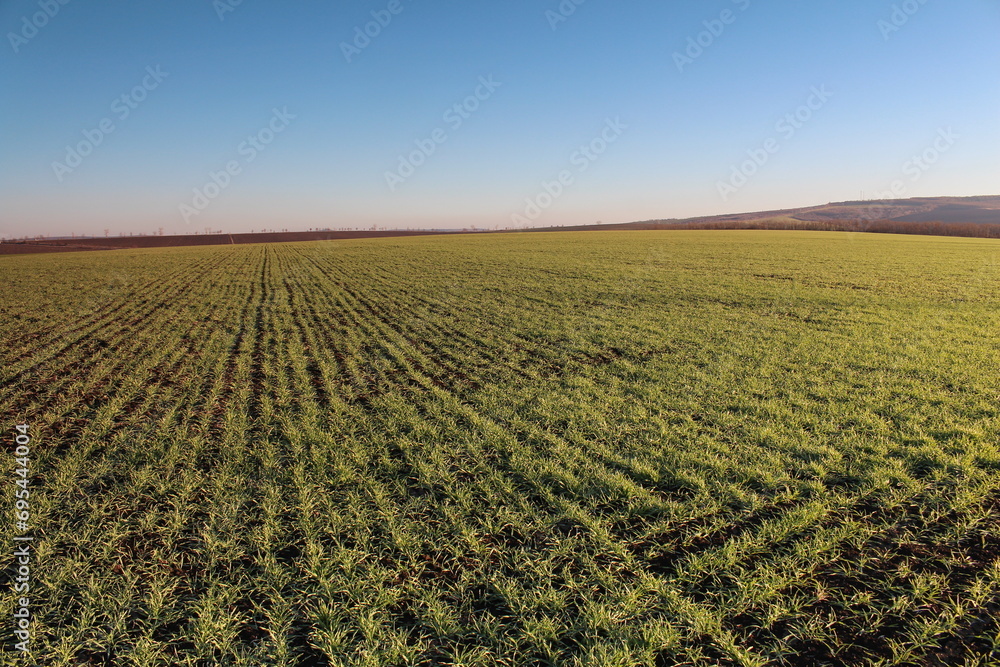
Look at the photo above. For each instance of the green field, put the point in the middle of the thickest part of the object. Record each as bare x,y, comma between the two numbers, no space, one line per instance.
604,448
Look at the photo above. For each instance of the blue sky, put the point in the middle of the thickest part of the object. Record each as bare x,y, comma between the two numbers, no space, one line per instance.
670,126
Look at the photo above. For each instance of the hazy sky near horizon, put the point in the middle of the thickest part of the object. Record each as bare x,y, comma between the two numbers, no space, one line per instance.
132,116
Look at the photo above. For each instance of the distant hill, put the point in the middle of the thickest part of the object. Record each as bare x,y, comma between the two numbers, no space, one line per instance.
959,210
929,215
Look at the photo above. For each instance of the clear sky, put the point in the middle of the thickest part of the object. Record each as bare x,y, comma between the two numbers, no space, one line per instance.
115,115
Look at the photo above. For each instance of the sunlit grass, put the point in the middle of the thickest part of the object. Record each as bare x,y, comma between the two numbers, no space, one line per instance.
646,448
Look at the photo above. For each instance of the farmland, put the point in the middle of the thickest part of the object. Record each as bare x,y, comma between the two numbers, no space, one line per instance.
603,448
